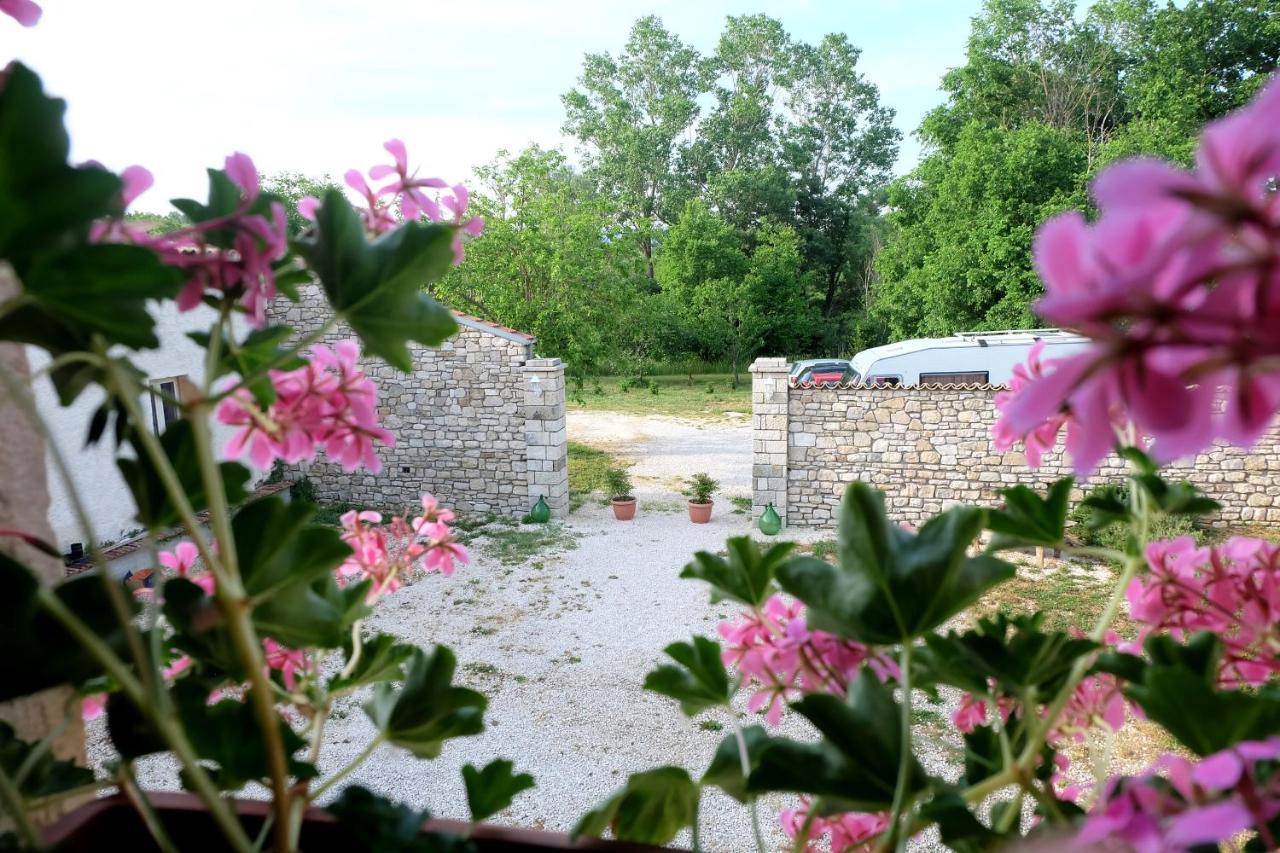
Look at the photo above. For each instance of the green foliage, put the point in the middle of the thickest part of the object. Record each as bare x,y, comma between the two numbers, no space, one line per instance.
292,187
39,651
1028,519
378,825
427,709
854,767
156,510
44,774
745,577
382,658
698,682
376,287
725,770
700,488
618,483
493,789
650,809
892,586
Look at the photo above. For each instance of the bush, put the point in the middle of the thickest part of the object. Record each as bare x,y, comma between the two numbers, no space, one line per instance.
303,490
618,484
701,488
1115,536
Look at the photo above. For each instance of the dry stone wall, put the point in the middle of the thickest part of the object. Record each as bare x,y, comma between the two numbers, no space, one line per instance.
479,422
929,447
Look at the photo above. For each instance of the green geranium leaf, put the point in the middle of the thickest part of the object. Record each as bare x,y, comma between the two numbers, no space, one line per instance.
983,758
745,577
651,808
493,789
1178,689
114,305
1105,509
39,653
378,286
1180,498
725,771
200,629
47,775
961,831
227,734
277,548
373,824
156,510
43,200
428,709
318,615
855,765
382,658
260,348
699,682
1028,519
1014,651
891,585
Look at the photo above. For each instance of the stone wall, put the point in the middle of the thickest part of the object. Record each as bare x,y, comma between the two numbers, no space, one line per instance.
479,422
929,447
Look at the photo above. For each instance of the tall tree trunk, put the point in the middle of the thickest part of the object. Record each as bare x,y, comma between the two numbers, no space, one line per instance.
829,301
24,505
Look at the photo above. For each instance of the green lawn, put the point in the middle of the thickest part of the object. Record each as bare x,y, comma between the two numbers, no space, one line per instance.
707,396
587,468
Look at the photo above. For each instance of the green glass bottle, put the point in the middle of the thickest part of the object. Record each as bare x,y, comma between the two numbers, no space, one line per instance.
770,521
541,513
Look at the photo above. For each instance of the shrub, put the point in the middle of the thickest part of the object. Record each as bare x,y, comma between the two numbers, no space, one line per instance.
701,488
618,482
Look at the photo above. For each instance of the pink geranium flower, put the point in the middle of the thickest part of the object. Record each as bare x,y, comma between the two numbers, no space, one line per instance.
406,186
288,662
24,12
93,706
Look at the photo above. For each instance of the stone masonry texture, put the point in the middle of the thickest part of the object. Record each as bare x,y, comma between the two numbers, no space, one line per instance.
930,447
479,422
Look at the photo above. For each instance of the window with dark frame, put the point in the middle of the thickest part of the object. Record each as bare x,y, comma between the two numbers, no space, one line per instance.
164,408
971,377
885,381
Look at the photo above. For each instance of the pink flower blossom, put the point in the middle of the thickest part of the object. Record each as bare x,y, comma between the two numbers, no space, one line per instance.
442,549
971,713
1232,590
24,12
180,665
1177,283
850,832
181,560
407,187
471,226
783,658
289,662
327,404
386,553
1190,804
93,706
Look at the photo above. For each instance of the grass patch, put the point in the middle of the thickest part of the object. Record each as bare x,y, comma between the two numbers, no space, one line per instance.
1069,593
587,469
708,395
710,725
513,544
741,505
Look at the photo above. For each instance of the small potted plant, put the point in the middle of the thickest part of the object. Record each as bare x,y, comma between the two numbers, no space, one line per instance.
624,502
701,487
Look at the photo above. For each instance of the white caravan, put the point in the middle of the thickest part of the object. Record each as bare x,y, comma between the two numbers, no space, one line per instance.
967,357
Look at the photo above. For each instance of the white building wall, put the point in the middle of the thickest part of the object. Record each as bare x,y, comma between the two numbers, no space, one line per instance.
97,479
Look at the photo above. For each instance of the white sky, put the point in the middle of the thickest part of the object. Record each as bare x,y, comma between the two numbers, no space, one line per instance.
316,86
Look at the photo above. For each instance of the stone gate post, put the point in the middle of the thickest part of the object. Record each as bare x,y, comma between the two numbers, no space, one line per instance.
546,436
769,435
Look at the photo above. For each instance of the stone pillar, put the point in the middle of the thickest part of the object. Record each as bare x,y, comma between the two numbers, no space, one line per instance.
546,437
769,435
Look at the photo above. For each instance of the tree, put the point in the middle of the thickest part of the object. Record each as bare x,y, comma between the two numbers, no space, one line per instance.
552,260
631,114
292,187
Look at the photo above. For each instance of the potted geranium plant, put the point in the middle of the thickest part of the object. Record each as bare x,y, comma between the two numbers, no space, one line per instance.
620,497
700,489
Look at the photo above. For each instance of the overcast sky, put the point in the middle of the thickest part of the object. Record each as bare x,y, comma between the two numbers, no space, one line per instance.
316,86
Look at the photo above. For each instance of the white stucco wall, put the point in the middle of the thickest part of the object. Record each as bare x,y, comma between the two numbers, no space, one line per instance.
105,495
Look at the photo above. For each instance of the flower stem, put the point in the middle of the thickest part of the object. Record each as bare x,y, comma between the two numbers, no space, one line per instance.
802,835
140,802
754,805
350,766
11,797
897,832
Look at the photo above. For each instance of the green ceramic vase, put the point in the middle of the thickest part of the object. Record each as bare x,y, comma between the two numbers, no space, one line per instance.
541,513
770,521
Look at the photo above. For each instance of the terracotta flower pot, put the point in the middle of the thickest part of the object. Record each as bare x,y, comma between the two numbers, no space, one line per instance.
191,828
624,509
700,513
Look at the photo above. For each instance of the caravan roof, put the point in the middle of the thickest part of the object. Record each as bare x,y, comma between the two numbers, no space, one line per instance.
863,361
